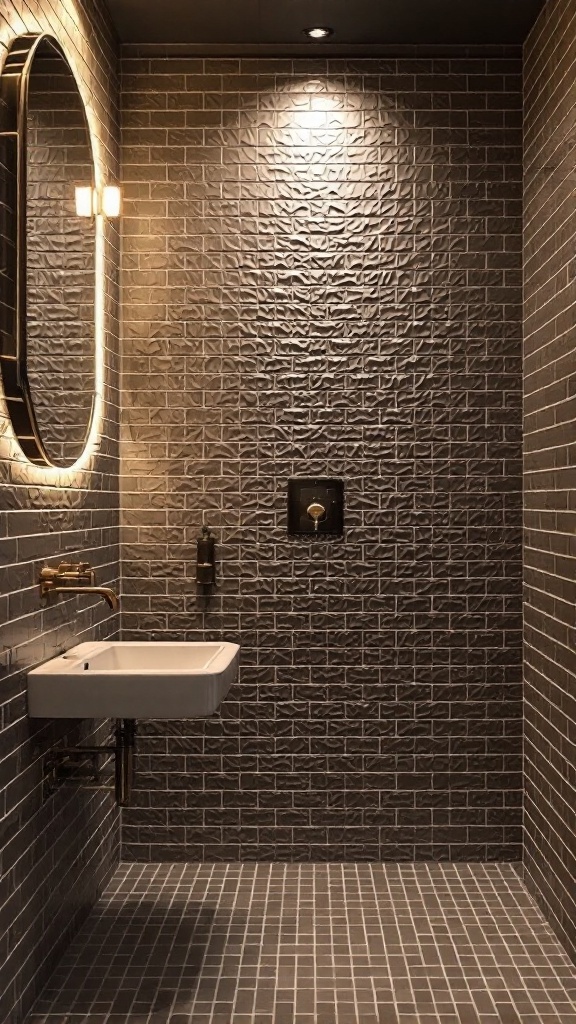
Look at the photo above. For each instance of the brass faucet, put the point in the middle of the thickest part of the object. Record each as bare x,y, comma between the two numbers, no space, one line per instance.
74,578
317,512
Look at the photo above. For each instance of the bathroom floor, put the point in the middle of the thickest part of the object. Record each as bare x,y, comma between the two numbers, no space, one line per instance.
313,944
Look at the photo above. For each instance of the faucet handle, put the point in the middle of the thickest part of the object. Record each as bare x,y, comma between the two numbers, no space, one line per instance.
68,571
75,570
86,572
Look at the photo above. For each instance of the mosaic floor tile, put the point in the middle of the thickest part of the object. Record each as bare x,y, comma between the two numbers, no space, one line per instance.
313,944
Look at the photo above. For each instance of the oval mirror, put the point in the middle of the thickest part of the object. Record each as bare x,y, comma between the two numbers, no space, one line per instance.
48,260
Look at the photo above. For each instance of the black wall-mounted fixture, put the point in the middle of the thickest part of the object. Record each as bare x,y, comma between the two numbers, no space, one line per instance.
206,558
316,506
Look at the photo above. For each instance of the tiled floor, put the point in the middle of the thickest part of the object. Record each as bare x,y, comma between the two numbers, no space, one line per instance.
313,944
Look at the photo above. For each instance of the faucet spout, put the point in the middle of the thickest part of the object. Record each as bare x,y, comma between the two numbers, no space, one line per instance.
109,595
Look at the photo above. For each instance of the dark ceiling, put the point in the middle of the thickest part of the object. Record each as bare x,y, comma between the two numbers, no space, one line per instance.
356,23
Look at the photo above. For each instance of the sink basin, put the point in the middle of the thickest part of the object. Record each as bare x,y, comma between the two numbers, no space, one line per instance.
116,679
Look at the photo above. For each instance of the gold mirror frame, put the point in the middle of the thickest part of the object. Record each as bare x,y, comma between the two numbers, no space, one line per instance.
14,85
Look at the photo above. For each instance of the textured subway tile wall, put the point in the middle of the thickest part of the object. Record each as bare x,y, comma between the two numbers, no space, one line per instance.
550,477
322,275
56,852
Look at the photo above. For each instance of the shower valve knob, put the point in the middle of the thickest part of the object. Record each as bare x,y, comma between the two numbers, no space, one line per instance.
316,511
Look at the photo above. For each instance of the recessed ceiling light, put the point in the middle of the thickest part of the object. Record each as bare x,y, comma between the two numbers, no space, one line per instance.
319,32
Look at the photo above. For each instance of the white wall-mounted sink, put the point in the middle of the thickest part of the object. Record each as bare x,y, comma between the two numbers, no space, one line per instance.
116,679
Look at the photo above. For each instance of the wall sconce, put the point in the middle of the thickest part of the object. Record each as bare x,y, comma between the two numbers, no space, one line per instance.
85,200
111,201
90,201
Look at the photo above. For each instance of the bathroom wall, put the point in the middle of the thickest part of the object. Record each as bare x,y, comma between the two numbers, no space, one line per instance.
322,275
56,851
549,474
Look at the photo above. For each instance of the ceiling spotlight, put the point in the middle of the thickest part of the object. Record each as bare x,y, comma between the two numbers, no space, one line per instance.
320,32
